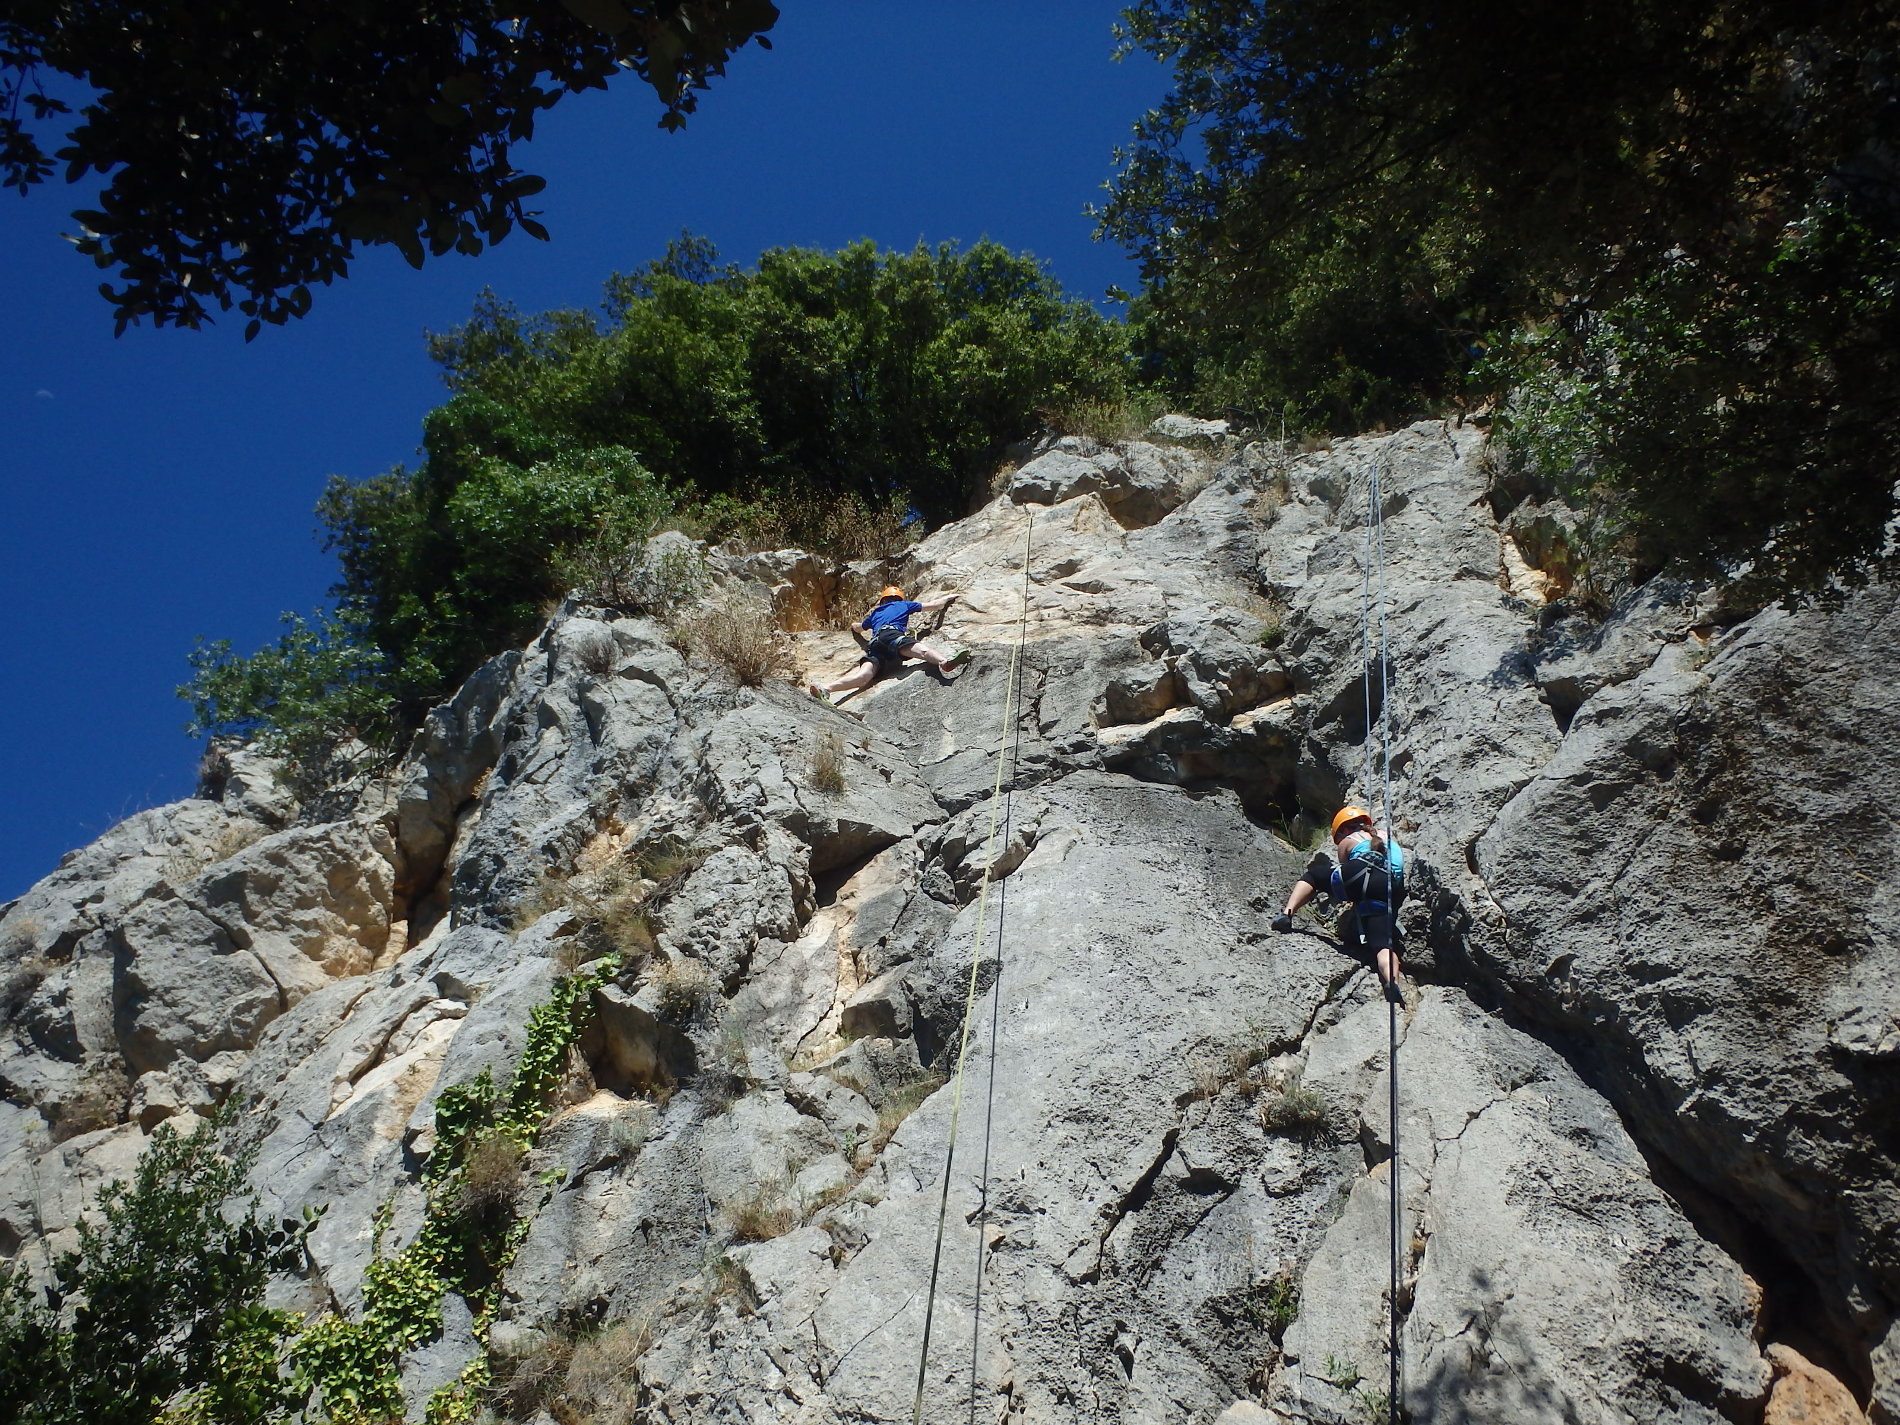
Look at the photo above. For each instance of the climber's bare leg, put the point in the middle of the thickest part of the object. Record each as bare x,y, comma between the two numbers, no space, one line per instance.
925,653
861,676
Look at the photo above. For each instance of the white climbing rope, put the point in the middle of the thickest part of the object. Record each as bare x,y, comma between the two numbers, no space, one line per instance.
1010,693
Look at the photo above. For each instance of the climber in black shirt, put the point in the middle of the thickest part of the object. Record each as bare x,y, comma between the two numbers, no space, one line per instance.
1370,878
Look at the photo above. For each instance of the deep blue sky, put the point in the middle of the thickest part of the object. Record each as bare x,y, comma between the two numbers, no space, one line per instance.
160,486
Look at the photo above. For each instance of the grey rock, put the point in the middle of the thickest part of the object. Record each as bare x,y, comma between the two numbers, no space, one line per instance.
630,1048
1651,1059
1179,427
1138,484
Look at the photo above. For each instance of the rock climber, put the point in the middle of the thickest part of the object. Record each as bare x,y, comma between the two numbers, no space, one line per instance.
1370,879
892,642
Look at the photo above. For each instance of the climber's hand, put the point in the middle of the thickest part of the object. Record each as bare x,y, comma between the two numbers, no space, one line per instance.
1283,922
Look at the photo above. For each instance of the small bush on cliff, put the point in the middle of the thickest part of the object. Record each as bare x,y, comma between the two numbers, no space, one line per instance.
491,1182
683,986
761,1215
1296,1112
323,697
602,1382
739,635
827,762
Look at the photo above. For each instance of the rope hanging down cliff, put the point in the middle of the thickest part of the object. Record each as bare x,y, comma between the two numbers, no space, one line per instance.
1009,718
1372,607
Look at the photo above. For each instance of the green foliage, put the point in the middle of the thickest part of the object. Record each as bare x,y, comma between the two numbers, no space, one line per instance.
819,398
862,372
1272,1305
248,150
1361,213
320,697
1774,386
160,1305
612,565
353,1365
455,562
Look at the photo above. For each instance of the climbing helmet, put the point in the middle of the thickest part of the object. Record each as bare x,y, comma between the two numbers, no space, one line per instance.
889,591
1348,815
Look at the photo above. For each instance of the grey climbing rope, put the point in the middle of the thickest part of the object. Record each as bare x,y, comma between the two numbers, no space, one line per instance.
1377,772
969,1005
996,1009
1373,605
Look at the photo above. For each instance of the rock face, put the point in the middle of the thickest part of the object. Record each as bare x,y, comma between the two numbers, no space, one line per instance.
1647,1071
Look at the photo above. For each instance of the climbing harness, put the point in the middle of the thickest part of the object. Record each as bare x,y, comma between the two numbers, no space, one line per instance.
998,804
1376,653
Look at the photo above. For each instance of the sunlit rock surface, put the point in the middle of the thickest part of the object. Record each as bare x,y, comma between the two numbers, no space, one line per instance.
1647,1069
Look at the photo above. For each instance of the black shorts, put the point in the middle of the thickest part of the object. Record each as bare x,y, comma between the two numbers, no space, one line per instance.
887,652
1362,933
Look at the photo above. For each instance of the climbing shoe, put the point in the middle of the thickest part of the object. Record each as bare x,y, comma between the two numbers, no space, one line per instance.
1394,993
1282,923
956,660
818,692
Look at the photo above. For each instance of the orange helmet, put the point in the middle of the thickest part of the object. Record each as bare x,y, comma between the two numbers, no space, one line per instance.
1348,815
889,591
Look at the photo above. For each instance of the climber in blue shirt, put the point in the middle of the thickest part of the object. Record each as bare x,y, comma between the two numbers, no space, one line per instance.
1370,879
891,643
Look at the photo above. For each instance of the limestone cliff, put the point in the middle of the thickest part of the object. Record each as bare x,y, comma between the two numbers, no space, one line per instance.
1648,1072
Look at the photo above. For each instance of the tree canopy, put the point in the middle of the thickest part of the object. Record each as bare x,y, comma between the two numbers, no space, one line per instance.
249,149
1672,226
820,398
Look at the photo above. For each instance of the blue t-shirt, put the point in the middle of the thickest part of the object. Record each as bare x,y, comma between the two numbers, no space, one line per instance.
897,612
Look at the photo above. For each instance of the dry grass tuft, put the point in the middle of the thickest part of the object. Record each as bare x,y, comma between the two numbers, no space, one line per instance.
188,862
730,1283
1273,622
491,1181
807,606
598,655
839,527
602,1381
615,915
738,634
827,762
761,1215
1235,1066
592,1379
1296,1112
683,987
1112,422
546,896
667,862
527,1381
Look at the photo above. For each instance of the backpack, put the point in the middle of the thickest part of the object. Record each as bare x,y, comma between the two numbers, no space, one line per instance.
1370,880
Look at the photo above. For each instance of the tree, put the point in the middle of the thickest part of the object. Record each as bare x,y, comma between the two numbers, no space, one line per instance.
1673,224
250,148
161,1304
864,373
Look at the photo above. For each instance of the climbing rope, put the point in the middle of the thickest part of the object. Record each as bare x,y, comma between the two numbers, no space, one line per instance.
1373,604
997,805
996,1008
